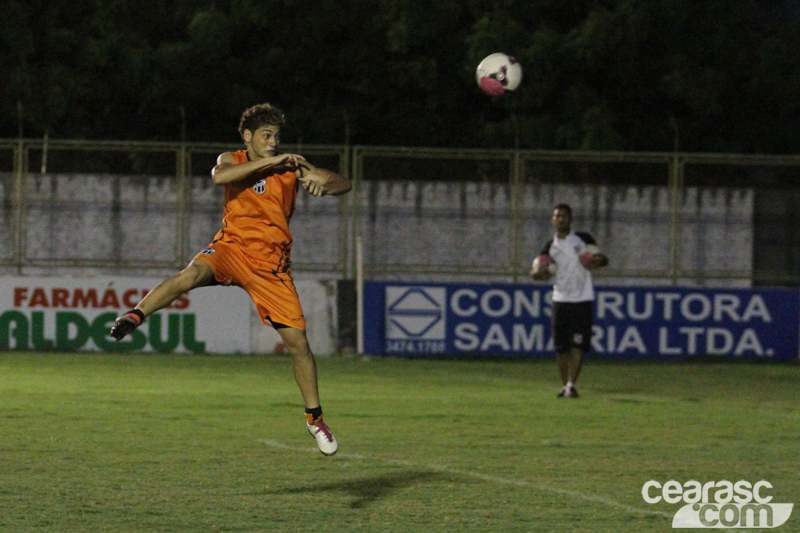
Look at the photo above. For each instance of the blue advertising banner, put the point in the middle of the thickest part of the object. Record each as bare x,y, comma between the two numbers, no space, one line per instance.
630,322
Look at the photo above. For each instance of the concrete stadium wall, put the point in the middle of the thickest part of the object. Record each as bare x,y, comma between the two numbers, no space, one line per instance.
456,224
468,224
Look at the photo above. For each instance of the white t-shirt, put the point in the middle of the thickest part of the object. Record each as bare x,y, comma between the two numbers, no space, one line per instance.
572,281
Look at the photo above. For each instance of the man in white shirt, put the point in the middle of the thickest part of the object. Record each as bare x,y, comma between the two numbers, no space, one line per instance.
570,257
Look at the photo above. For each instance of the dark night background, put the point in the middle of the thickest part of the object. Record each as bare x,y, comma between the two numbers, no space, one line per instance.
655,75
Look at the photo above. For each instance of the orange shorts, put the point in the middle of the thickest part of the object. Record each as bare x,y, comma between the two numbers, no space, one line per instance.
273,292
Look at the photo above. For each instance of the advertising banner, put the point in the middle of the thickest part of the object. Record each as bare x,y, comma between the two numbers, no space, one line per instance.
75,314
630,322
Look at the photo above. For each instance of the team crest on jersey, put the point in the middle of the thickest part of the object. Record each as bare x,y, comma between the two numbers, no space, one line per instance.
260,186
208,251
577,338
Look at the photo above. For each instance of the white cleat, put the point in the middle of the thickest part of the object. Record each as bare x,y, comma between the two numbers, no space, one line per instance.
322,433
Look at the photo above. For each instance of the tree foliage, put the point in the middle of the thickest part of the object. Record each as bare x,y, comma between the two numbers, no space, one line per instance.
718,75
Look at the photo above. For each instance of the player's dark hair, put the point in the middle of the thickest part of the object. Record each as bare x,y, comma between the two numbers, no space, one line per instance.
261,115
565,207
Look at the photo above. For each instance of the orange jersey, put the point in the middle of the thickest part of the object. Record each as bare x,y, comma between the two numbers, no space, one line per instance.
257,213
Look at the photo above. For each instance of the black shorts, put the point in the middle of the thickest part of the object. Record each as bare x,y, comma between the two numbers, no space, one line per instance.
572,325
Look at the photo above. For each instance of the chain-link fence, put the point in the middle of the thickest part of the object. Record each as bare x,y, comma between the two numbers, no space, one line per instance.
421,213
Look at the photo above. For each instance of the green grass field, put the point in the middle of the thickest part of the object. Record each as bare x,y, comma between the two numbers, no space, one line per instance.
151,443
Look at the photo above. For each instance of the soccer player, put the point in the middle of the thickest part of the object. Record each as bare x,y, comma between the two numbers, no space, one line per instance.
576,254
252,250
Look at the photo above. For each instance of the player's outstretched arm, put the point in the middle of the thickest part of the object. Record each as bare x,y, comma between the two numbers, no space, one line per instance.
226,171
320,182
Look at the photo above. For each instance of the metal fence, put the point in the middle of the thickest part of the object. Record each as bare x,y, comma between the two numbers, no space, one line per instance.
421,213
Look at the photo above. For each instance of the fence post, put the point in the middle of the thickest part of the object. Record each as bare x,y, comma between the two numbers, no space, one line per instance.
18,204
345,210
184,205
676,184
357,170
358,245
516,188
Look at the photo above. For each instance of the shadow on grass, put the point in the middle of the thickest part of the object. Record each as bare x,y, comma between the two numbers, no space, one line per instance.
368,490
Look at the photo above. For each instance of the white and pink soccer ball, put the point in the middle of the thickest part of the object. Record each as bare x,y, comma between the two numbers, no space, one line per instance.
498,74
543,262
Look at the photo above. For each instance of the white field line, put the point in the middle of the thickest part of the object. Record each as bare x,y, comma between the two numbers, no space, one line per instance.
614,443
483,477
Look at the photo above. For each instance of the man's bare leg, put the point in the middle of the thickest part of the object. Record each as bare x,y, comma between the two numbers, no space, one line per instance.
562,360
197,274
571,364
303,364
569,367
575,364
305,374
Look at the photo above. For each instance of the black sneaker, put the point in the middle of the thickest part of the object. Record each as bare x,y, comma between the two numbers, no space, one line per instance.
563,392
125,325
572,392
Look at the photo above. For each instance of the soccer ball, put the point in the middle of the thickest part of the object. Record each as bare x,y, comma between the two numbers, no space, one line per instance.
498,74
587,254
544,261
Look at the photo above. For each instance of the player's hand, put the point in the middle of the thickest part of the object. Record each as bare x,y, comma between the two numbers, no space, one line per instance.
592,261
278,162
312,180
542,267
287,162
313,186
541,274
